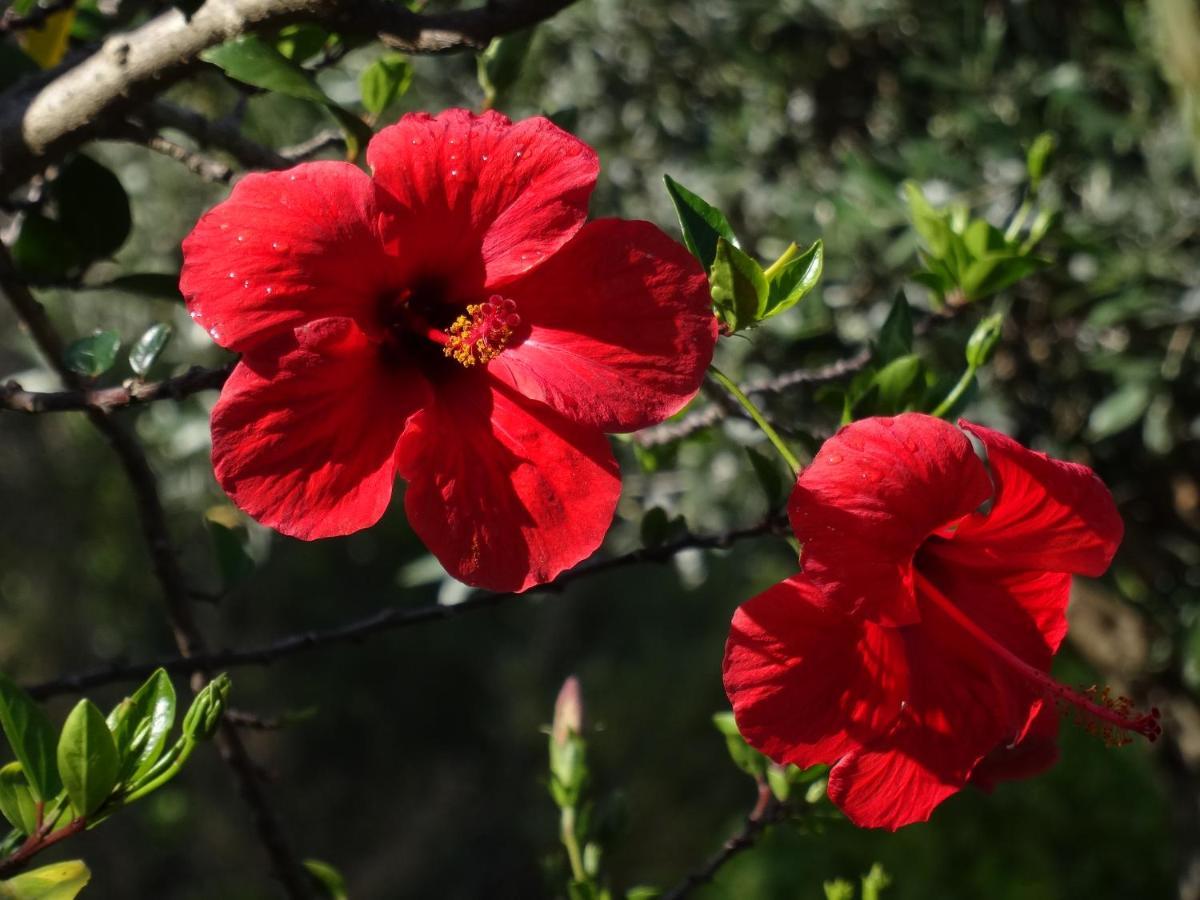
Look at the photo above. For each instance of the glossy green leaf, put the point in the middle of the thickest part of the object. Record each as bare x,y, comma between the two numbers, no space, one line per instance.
60,881
896,336
983,340
984,239
140,725
1038,156
739,287
499,66
790,283
778,782
253,61
148,347
385,81
93,355
329,879
743,755
893,389
44,250
992,274
87,758
17,804
31,737
703,225
300,42
92,206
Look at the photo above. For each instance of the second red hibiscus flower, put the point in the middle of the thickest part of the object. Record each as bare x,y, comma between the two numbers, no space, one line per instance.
911,653
451,321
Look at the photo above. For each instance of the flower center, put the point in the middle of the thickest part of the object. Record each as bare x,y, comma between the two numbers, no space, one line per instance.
1113,719
482,334
420,321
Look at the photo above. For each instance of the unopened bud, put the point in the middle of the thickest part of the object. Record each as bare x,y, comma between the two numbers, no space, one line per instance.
568,712
202,718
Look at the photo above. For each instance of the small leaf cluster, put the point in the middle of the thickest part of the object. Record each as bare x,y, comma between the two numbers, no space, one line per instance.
744,293
95,764
965,258
785,782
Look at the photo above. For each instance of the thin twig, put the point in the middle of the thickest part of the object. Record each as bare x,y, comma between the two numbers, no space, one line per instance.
322,140
767,811
197,163
389,619
169,573
133,393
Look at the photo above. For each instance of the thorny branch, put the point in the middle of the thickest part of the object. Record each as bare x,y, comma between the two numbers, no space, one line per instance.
167,569
392,618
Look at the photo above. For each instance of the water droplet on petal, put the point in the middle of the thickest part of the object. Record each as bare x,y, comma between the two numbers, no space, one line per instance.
241,238
518,154
833,459
233,274
279,245
224,226
454,173
246,284
484,157
270,290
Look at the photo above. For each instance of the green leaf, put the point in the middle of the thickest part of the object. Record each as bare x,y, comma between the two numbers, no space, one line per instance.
31,737
643,892
60,881
87,758
984,239
385,81
770,476
147,348
702,224
93,355
992,274
839,889
140,725
1119,410
896,335
499,66
16,799
300,42
44,250
743,755
893,389
739,288
252,61
792,282
92,207
983,340
875,882
778,782
1039,154
328,878
931,225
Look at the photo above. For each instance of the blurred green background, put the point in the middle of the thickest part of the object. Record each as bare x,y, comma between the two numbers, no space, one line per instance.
422,771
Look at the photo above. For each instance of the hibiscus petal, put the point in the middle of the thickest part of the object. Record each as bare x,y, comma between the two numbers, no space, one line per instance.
284,249
1048,514
875,491
504,491
807,684
621,329
485,199
304,441
1036,751
957,710
1024,611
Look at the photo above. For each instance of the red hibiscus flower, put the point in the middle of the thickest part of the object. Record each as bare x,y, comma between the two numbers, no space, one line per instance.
451,321
912,651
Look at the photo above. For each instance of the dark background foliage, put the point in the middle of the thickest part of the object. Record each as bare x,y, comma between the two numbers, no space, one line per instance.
421,769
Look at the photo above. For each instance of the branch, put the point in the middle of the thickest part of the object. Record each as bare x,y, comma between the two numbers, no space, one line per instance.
166,567
46,117
207,169
389,619
669,432
133,393
766,812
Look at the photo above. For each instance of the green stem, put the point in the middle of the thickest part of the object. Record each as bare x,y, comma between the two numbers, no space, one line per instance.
1014,227
571,842
955,393
759,419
